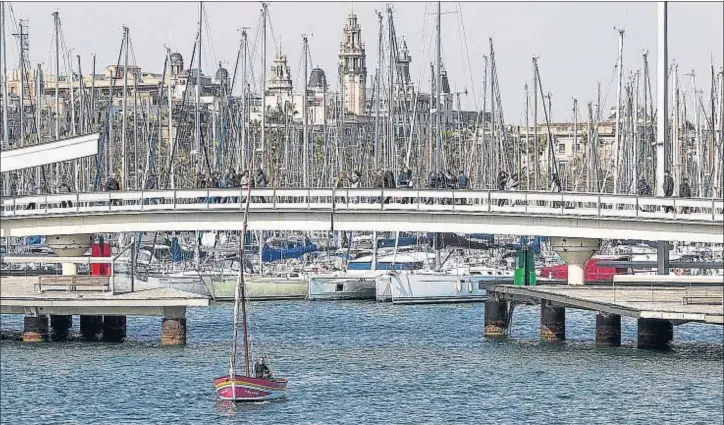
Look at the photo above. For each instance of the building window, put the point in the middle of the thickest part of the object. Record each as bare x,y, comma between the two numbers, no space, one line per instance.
561,148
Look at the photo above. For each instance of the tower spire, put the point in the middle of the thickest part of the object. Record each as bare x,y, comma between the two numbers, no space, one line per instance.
353,67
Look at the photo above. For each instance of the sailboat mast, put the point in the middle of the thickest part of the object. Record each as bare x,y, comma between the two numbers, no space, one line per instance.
244,94
662,114
197,116
390,137
6,133
263,82
124,182
240,297
527,138
376,92
305,155
536,156
438,83
22,84
56,22
618,111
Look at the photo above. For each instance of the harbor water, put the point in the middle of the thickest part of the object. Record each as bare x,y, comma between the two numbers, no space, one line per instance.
368,363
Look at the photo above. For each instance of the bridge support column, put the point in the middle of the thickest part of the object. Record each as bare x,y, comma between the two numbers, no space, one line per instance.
173,326
114,328
608,330
575,252
91,327
655,333
662,257
552,322
35,328
59,326
496,318
69,246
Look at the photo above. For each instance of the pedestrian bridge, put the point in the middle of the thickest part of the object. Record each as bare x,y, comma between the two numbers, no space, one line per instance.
581,215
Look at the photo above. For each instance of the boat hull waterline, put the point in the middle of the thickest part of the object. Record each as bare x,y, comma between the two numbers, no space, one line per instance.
246,388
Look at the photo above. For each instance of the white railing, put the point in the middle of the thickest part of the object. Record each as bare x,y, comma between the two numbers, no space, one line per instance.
428,200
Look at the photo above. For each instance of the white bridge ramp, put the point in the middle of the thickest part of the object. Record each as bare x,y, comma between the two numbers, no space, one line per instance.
49,153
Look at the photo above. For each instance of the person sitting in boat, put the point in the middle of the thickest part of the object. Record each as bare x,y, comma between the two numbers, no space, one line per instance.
261,370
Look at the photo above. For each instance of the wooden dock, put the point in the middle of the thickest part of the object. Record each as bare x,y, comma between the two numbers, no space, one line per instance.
700,303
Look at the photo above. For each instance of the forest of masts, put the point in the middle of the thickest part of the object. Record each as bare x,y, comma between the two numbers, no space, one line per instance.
136,143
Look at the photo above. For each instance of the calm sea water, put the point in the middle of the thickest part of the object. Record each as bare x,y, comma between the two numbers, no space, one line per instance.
368,363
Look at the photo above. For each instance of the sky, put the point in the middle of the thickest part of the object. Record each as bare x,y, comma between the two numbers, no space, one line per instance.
576,42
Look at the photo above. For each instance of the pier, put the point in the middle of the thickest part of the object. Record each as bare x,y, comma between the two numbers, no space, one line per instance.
48,313
658,305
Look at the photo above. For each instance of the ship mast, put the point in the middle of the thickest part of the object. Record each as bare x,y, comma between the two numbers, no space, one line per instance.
438,84
240,300
618,112
4,76
662,123
305,155
197,118
124,183
263,85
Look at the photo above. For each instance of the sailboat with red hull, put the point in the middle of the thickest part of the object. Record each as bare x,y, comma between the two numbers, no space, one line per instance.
246,387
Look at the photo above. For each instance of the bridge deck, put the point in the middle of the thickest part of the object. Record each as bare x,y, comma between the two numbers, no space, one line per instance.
690,304
541,213
18,296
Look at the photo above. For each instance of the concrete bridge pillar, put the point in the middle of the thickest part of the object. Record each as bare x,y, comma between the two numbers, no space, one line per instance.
575,252
173,326
552,322
114,328
59,326
655,333
69,246
35,328
91,327
608,330
496,318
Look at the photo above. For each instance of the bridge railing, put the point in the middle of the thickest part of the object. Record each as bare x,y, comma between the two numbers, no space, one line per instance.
458,201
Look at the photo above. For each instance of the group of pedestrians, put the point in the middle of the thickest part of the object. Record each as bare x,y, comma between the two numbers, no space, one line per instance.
644,189
231,179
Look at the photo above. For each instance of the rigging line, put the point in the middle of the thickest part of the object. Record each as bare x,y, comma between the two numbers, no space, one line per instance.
271,29
132,51
299,68
251,54
424,48
236,64
309,51
210,44
14,21
602,106
464,40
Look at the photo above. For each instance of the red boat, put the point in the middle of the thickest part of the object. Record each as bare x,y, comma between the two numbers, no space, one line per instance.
592,272
245,388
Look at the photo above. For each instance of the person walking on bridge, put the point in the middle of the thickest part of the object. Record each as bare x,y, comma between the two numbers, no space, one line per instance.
64,188
502,182
685,192
113,185
643,189
261,181
668,189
